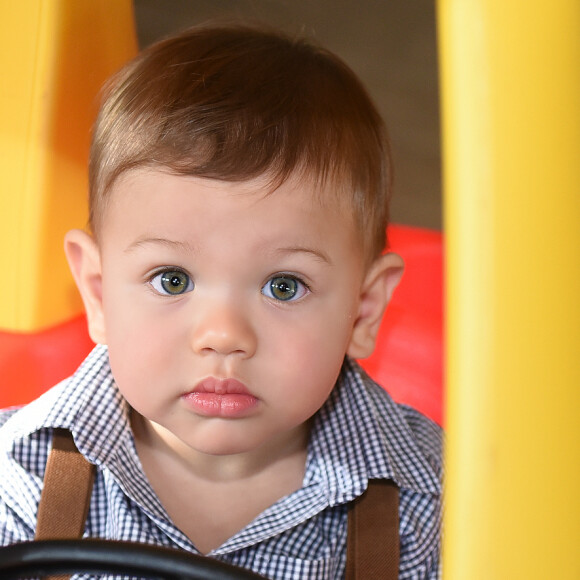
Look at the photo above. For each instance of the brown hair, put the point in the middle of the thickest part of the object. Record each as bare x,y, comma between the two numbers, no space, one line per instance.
239,102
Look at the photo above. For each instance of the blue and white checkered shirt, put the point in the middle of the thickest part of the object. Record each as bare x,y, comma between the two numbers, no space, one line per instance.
359,434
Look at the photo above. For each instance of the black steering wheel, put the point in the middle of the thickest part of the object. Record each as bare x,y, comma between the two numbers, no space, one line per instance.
53,557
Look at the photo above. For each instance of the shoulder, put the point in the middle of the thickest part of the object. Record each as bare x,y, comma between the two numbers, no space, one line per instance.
19,424
404,433
5,414
22,463
428,435
400,443
420,507
369,436
26,436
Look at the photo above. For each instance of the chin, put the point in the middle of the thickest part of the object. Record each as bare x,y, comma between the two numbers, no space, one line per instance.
221,448
222,451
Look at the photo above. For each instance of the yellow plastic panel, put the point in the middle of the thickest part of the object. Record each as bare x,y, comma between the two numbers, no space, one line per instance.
54,56
510,77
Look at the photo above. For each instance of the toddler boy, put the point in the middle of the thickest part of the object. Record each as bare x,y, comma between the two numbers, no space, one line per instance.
234,270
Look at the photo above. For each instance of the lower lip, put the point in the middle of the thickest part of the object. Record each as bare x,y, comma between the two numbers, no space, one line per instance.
228,406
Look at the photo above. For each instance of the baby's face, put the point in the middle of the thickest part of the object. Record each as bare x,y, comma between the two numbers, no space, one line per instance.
227,311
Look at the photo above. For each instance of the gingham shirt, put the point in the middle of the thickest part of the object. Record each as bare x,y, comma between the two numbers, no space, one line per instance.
359,434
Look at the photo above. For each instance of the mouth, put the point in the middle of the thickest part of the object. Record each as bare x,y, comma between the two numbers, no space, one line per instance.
225,398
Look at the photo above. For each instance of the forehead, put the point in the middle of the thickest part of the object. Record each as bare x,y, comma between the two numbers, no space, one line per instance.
156,202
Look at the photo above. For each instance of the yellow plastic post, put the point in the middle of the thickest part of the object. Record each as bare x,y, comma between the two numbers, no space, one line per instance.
510,77
54,56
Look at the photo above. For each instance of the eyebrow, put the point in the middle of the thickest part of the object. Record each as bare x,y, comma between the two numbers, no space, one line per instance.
317,254
186,247
173,244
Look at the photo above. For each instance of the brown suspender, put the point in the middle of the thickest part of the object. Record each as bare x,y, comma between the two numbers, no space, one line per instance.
65,498
66,495
373,519
372,550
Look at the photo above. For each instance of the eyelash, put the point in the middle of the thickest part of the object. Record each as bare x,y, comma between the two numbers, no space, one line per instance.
158,283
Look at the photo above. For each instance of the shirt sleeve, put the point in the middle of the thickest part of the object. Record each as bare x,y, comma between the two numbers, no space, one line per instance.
22,464
13,528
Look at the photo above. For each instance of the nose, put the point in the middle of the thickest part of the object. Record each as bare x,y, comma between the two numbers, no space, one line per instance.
224,329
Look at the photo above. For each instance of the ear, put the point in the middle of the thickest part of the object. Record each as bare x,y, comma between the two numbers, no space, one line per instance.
84,261
376,291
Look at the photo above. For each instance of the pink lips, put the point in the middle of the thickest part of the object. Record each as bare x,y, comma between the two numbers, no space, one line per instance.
227,398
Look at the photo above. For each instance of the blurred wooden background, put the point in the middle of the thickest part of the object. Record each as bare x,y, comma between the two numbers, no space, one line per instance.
391,44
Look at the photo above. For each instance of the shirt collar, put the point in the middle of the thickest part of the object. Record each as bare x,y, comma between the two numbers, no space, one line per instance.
361,434
90,405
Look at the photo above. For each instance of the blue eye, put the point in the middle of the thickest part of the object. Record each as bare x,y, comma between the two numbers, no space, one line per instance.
284,288
171,283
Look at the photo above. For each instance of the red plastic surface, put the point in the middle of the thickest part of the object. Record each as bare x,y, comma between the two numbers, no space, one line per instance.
407,360
31,363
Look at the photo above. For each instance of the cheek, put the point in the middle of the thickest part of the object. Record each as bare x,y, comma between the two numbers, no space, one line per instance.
309,358
132,323
139,347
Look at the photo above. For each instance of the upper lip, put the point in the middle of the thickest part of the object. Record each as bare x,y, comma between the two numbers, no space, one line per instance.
221,387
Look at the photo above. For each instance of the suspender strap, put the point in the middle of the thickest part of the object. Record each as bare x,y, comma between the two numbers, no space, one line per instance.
373,533
66,495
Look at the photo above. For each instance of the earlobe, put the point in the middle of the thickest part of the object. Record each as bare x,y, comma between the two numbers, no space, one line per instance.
85,263
380,282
